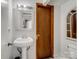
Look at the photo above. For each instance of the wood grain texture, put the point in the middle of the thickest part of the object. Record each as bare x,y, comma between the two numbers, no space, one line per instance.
45,29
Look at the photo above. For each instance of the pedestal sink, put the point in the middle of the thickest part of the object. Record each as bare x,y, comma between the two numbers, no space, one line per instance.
24,43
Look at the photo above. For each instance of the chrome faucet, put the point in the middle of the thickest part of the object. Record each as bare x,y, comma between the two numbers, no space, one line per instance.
24,24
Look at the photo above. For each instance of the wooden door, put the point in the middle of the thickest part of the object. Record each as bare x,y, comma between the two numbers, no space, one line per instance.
44,31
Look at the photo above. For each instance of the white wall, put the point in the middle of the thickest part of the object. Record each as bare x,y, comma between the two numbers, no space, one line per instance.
5,50
57,30
61,10
65,8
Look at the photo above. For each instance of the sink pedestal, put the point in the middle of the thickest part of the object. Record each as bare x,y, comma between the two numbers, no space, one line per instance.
24,53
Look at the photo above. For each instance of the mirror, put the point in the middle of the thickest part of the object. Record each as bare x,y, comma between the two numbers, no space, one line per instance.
72,24
24,19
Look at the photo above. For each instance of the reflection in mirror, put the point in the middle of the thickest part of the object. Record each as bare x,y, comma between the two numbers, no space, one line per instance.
25,24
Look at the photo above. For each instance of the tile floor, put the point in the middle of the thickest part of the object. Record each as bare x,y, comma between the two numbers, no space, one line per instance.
57,58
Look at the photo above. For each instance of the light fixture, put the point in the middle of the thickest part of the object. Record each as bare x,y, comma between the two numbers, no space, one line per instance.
18,5
45,2
24,6
3,1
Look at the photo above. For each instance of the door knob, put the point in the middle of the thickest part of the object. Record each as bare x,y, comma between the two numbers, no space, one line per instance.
37,36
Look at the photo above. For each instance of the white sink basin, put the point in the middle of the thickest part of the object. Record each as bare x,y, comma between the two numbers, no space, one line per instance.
23,42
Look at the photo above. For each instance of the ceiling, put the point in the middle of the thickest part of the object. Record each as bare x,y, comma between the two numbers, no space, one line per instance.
39,1
54,1
59,1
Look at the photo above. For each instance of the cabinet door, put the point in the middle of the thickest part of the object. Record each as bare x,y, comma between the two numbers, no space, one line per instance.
74,26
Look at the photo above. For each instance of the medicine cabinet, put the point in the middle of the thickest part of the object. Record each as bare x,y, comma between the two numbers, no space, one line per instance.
24,18
72,24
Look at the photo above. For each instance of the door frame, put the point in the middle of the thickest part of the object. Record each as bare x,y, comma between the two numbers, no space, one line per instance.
52,27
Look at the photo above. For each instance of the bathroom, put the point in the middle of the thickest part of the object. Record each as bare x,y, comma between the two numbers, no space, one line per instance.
19,20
